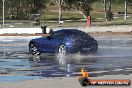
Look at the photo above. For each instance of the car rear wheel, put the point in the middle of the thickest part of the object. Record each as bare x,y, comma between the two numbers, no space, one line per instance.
62,50
33,49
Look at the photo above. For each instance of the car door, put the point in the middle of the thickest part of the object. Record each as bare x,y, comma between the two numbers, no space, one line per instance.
55,40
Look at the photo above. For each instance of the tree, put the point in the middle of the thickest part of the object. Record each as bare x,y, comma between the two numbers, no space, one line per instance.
84,5
24,9
0,8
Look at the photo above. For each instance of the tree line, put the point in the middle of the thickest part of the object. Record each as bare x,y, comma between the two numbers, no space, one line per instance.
27,9
23,9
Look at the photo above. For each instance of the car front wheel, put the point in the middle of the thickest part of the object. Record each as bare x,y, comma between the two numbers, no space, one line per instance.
33,49
62,50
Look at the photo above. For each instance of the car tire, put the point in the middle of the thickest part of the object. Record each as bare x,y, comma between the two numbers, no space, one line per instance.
33,49
62,50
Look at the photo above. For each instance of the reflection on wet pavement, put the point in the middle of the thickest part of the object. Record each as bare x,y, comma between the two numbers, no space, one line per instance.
113,57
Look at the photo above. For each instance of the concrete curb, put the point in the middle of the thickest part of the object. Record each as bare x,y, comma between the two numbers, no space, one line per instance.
20,30
120,28
124,28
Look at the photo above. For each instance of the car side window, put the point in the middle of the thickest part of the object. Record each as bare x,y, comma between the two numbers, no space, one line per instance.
85,36
59,36
82,35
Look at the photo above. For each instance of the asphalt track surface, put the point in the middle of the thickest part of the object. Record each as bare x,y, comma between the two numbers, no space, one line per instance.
114,57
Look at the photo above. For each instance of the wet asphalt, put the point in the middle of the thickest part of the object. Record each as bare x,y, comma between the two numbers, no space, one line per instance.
114,57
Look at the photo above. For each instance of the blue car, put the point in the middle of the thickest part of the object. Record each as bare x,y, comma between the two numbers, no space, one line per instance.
65,41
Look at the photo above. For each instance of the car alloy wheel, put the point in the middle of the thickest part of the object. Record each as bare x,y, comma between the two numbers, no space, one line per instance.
33,50
62,50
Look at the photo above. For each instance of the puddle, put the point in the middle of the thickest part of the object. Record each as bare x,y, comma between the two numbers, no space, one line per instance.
113,57
17,78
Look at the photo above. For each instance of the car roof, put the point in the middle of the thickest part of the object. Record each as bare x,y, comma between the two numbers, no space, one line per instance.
68,31
72,32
